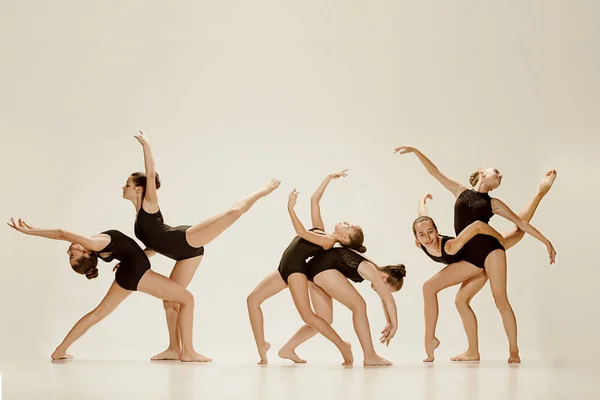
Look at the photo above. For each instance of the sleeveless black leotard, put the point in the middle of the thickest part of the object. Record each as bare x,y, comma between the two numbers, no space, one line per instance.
445,258
474,206
295,256
133,261
341,259
164,239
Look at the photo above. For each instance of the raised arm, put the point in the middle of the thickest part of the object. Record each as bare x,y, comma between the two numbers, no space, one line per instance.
324,241
498,207
370,272
315,208
94,243
453,186
151,194
423,205
454,245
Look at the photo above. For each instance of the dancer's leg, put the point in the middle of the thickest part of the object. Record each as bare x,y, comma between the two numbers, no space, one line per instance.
268,287
465,294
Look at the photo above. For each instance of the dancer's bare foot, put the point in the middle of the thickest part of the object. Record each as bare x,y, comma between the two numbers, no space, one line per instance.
290,354
514,358
167,355
61,355
192,356
466,356
430,346
376,361
271,186
262,352
547,182
347,354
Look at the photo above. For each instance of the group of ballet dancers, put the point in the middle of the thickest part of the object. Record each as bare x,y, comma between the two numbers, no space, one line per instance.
316,262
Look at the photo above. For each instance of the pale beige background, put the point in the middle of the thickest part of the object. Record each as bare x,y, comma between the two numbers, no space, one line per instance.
232,93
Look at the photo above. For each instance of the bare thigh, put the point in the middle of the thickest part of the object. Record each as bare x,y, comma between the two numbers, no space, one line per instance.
268,287
163,288
451,275
115,296
471,287
321,301
184,270
338,287
495,267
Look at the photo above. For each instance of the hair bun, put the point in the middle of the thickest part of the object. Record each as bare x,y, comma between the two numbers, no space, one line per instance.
92,273
402,269
157,180
362,249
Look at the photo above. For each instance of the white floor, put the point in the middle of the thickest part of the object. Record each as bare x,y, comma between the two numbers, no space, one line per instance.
489,380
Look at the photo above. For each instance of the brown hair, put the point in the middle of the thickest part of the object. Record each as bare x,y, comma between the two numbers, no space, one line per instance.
422,219
139,179
87,266
474,178
396,274
357,237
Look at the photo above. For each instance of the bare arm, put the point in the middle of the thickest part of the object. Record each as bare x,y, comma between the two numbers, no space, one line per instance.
151,194
315,208
453,186
324,241
454,245
498,207
371,273
94,243
423,205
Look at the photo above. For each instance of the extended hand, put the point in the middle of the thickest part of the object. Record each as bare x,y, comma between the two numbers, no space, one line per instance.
292,198
20,225
404,149
337,175
141,138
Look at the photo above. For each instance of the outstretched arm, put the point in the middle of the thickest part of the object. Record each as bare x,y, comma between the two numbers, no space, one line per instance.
498,207
371,273
151,194
322,240
453,186
315,208
476,228
94,243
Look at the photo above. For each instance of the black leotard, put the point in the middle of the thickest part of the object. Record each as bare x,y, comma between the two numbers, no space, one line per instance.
474,206
164,239
341,259
445,258
133,261
294,257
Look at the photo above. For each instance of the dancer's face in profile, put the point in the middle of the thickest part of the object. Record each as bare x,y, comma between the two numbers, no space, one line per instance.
344,229
427,234
76,252
491,177
130,191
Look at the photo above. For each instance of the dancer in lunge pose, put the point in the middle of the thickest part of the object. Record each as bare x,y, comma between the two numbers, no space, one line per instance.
185,243
481,252
133,274
330,272
292,272
446,250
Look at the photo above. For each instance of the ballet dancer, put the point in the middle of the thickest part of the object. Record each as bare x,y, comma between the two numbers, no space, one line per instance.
133,274
329,273
446,250
479,253
185,243
293,269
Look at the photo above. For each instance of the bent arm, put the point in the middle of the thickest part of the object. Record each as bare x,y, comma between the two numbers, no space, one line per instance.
453,246
322,240
423,206
371,273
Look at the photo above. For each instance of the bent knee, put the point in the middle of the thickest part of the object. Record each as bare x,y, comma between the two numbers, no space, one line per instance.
501,302
359,307
235,211
430,288
253,300
170,305
187,299
462,301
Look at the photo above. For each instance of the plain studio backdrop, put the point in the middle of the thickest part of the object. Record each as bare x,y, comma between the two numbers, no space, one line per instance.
234,93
